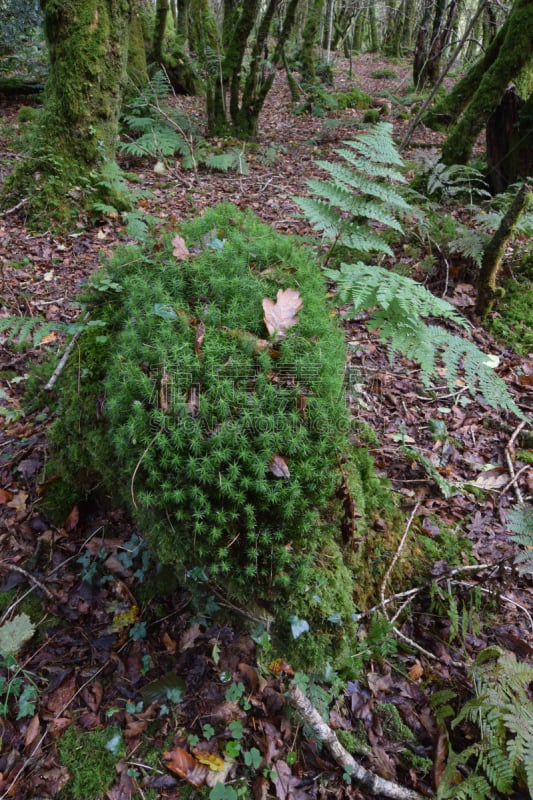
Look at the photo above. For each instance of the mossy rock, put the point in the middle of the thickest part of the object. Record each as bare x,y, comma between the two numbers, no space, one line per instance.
225,444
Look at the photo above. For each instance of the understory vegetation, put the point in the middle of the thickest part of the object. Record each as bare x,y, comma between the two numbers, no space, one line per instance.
206,401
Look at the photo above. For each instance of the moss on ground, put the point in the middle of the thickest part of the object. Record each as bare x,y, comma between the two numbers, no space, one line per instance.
513,322
90,758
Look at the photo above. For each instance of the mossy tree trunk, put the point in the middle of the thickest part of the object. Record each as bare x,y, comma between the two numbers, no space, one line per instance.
495,250
309,39
162,10
509,59
137,46
88,49
88,43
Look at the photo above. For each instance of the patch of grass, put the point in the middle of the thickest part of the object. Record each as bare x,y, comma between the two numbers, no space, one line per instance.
90,759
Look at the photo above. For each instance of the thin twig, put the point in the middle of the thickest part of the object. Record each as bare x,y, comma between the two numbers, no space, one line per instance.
360,776
509,453
29,576
397,553
15,208
64,358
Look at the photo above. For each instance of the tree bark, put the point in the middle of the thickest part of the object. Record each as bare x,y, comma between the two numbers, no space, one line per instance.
77,131
513,63
495,250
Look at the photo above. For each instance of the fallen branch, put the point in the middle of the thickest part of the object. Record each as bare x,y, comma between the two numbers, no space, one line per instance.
360,776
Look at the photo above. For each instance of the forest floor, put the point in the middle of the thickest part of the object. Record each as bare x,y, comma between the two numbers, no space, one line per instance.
90,672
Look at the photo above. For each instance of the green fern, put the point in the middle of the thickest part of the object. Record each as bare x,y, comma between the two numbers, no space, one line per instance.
503,713
353,208
359,195
21,330
520,521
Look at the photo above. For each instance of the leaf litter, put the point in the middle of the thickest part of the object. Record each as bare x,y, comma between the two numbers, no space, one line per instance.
90,672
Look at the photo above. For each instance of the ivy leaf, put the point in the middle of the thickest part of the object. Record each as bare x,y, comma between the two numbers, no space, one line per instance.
298,626
282,314
180,251
14,633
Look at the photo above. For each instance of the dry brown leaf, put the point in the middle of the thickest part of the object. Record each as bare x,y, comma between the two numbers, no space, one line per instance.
416,671
186,766
72,520
33,731
18,502
495,478
5,496
282,314
198,339
180,251
279,467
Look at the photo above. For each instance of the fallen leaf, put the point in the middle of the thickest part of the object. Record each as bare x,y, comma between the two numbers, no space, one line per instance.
72,520
5,496
416,671
495,478
212,760
198,339
186,766
32,731
18,502
180,251
281,315
279,467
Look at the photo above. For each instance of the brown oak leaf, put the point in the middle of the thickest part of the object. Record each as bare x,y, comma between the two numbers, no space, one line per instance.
281,315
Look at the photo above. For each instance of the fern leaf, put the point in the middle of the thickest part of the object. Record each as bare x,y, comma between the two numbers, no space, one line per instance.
378,145
497,767
29,329
361,183
368,167
458,353
321,215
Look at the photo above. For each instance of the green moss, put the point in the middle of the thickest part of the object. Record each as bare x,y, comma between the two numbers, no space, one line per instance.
513,323
371,115
355,98
394,728
384,73
353,743
179,409
90,759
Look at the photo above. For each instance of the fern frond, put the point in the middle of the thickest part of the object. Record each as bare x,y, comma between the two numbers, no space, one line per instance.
497,767
377,145
460,354
370,286
520,521
29,329
321,215
359,182
369,168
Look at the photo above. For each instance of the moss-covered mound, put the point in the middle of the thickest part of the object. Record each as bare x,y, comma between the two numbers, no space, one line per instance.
225,443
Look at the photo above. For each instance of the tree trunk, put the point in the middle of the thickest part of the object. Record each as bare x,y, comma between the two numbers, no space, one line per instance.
513,63
309,40
77,134
160,25
510,141
495,250
451,106
430,49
